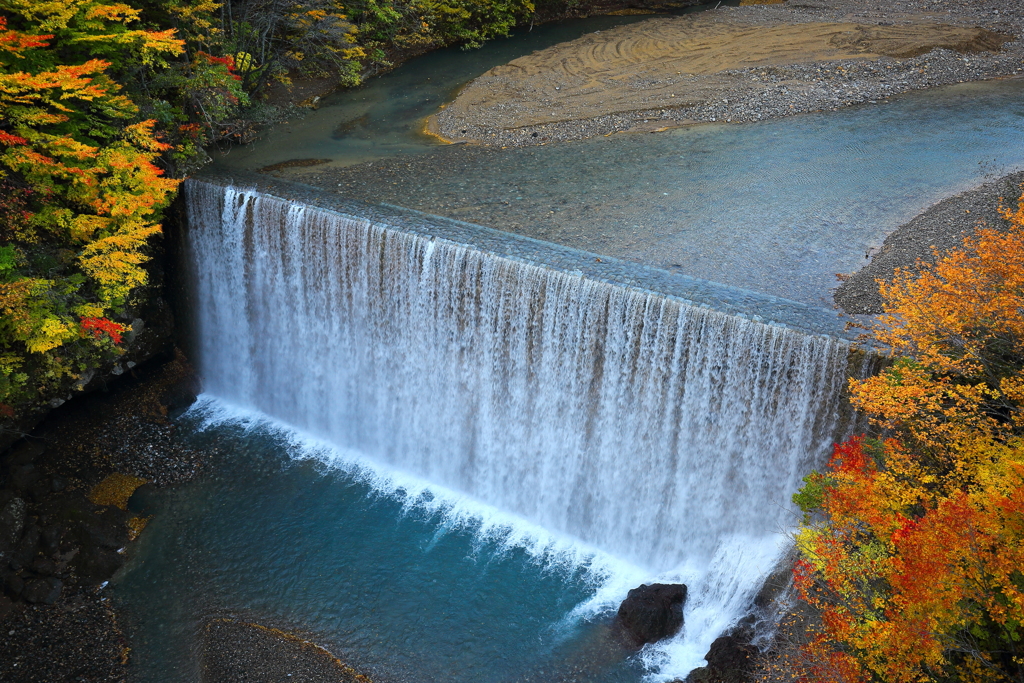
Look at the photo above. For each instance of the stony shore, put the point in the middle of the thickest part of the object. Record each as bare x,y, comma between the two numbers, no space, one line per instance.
939,229
808,55
66,525
240,651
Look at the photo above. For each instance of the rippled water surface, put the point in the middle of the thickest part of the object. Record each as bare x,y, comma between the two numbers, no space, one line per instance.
778,207
385,116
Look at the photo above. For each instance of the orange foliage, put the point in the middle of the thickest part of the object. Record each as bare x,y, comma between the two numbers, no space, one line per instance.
81,169
916,558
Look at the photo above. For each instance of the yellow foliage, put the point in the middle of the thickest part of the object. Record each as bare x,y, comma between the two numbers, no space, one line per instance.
50,333
916,560
80,188
115,489
960,322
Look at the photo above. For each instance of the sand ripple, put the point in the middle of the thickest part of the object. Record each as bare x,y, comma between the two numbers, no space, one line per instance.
672,63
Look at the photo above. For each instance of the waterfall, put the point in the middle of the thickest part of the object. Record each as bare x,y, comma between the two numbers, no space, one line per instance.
651,428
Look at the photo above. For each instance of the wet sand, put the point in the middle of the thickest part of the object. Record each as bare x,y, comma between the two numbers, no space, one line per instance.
734,64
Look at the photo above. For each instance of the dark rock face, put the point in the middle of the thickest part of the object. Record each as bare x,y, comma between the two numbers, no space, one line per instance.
96,565
14,584
104,530
729,661
179,397
22,477
652,612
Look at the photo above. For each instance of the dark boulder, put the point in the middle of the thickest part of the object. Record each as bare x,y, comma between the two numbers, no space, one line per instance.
177,398
43,567
45,590
731,657
49,543
729,661
106,529
14,584
144,500
27,547
24,452
23,477
652,612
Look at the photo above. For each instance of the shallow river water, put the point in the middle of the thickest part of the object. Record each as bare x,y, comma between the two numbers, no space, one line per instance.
778,207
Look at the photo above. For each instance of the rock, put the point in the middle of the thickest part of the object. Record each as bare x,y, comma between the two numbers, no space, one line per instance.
6,607
27,548
105,530
143,500
14,584
40,489
25,452
12,521
44,567
50,541
652,612
179,397
22,477
45,590
728,660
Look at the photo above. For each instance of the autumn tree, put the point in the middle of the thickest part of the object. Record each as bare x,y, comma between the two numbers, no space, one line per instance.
913,547
80,196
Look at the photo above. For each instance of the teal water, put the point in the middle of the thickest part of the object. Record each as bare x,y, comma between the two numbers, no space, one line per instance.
406,582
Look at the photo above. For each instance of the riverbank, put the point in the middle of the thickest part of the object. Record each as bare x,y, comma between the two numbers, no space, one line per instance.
66,523
239,651
940,228
734,64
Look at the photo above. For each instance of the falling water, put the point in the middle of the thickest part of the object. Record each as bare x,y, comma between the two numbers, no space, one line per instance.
666,434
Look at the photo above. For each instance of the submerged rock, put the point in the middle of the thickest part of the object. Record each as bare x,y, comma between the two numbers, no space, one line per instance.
652,612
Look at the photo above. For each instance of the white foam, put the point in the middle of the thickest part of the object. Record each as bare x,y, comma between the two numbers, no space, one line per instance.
497,529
